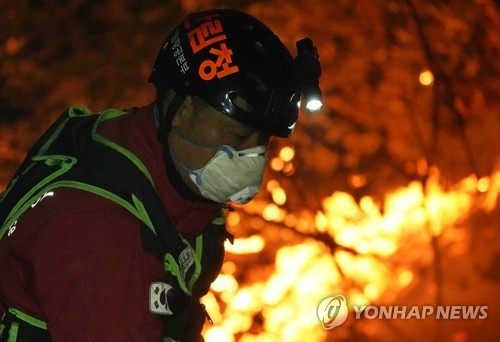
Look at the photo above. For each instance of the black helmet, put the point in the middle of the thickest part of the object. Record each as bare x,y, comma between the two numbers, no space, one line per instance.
236,64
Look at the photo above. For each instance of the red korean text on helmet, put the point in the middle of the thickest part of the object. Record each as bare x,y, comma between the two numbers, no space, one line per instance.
236,64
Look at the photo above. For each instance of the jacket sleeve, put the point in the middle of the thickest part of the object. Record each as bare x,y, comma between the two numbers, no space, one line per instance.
89,275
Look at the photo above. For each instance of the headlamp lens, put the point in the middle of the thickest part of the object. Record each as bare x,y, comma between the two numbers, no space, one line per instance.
308,70
314,105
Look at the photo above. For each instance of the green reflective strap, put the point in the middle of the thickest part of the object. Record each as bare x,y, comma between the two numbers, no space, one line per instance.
2,328
171,266
78,110
137,208
220,219
109,114
28,319
143,214
13,331
74,111
169,339
64,162
133,205
197,261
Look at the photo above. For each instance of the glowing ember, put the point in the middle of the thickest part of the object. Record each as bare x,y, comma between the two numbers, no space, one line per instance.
426,78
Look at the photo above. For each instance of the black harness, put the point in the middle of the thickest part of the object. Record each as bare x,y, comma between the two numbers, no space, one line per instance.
72,154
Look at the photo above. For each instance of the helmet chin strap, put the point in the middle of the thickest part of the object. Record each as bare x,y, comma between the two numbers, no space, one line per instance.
163,117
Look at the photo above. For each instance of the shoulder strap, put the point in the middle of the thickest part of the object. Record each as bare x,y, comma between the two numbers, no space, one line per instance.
50,157
72,154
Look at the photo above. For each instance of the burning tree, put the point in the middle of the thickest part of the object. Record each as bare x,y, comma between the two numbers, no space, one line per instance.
388,196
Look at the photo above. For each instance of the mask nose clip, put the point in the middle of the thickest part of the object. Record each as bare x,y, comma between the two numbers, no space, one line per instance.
228,151
231,176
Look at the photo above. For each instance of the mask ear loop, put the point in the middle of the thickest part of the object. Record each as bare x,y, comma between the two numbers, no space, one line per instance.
164,121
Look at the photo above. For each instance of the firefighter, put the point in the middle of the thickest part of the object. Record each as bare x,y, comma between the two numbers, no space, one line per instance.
113,227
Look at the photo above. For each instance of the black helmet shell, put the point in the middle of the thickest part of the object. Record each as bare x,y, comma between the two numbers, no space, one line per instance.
236,64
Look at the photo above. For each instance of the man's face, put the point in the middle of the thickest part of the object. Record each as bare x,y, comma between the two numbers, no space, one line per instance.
210,128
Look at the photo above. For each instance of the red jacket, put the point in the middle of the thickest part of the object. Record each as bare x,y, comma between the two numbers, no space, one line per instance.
75,260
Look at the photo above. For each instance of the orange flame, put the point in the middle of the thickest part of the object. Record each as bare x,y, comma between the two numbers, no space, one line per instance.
371,238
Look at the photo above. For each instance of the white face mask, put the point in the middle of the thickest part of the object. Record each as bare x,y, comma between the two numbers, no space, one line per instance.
230,176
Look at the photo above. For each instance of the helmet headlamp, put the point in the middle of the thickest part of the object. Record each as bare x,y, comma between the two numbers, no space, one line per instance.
239,66
308,71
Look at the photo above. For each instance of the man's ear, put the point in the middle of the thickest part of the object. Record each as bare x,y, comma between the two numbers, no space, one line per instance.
183,115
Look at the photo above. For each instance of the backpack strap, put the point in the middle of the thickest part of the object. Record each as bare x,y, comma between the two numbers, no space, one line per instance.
72,154
18,326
